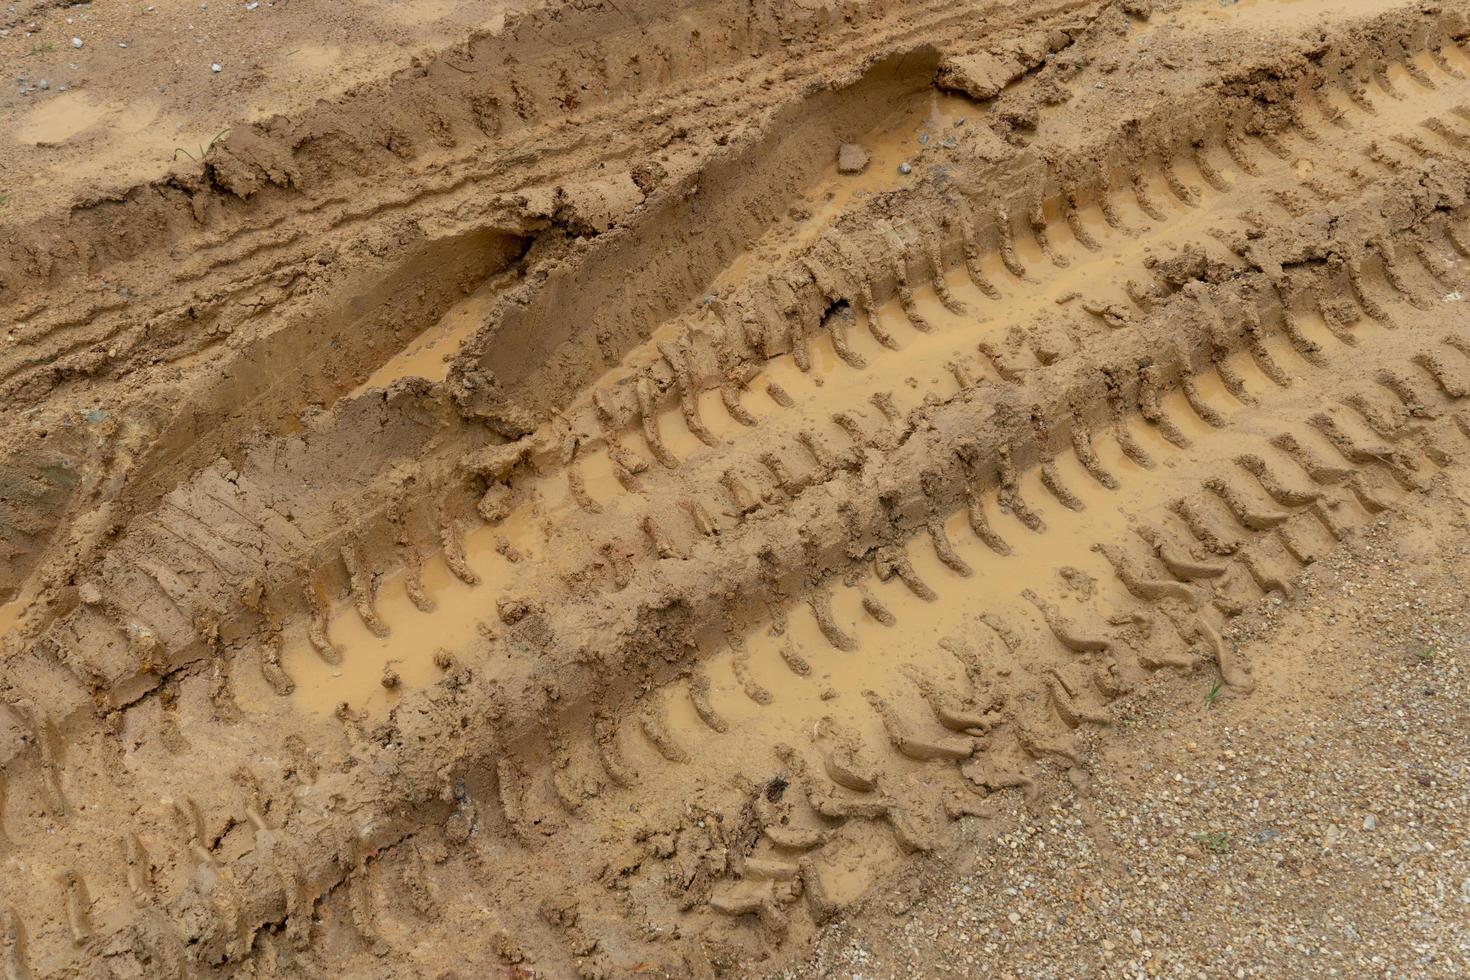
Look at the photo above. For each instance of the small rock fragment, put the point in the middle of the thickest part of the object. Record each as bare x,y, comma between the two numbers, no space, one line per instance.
851,159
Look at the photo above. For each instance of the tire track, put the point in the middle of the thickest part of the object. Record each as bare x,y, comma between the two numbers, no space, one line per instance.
681,706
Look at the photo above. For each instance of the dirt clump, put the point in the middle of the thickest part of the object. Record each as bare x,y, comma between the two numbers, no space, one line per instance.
851,159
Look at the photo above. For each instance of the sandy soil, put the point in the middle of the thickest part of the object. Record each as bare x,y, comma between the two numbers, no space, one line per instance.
773,489
141,94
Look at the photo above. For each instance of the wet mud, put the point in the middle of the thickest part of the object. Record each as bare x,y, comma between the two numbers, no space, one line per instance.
622,527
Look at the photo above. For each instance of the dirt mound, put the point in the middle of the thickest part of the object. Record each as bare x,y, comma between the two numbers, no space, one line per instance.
556,490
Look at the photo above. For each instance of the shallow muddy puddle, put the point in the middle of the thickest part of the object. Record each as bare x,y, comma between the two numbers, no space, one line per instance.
428,355
415,636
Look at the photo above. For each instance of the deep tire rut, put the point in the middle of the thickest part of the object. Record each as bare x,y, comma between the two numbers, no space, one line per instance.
663,629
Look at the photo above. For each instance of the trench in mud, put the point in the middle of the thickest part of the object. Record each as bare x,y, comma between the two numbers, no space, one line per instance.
786,680
925,114
428,354
927,365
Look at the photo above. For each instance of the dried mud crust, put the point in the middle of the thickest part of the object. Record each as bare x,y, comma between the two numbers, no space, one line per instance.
767,520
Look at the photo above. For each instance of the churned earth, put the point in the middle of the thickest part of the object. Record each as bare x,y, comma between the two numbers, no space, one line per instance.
734,489
1313,828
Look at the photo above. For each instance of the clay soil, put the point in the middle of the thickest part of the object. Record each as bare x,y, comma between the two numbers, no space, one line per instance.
734,489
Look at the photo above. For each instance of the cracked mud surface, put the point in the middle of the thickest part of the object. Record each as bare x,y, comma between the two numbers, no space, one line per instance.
549,509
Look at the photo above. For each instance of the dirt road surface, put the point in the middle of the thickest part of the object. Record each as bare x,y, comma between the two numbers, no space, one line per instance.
734,489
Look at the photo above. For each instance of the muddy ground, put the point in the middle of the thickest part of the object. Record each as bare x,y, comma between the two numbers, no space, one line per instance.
734,489
1314,828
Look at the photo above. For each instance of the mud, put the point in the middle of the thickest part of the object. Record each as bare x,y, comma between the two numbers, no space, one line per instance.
534,512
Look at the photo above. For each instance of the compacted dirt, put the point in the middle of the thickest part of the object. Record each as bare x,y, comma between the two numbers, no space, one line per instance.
778,488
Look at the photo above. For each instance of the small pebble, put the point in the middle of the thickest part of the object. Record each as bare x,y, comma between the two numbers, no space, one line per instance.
76,42
215,68
904,168
1370,822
